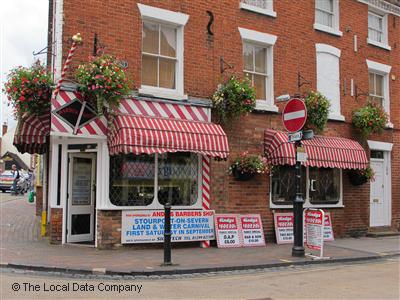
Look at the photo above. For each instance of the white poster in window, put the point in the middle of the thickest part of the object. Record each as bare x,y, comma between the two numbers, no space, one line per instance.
284,228
252,230
227,229
147,226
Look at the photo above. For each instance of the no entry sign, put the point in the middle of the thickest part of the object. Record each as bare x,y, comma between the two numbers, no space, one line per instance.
294,115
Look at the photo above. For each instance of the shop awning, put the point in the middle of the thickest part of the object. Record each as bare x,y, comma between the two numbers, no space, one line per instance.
31,134
144,134
322,151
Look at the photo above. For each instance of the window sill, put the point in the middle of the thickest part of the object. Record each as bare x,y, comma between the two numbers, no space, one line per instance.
162,93
379,44
306,205
267,12
336,118
263,105
389,125
327,29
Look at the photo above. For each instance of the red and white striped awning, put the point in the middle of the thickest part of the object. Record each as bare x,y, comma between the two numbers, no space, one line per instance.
32,133
322,151
143,134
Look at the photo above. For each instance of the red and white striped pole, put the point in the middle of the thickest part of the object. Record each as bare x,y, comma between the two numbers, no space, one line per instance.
206,191
76,39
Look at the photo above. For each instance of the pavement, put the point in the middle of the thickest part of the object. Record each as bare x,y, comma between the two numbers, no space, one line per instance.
22,247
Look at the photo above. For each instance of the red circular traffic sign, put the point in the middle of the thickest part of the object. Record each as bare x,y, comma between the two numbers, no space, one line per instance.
294,115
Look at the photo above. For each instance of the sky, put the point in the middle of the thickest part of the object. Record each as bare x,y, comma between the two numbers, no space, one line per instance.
23,30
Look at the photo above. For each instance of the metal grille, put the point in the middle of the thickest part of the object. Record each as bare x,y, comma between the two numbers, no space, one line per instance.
327,185
132,180
177,178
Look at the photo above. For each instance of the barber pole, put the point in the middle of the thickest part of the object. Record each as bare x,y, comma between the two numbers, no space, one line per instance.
206,191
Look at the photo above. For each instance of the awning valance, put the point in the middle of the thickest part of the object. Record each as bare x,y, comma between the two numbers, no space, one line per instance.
322,151
31,134
143,134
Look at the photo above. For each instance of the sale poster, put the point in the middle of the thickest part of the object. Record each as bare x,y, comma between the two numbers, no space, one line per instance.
314,228
252,230
228,231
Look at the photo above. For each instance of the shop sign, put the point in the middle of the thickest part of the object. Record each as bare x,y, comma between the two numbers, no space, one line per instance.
147,226
71,111
284,228
228,231
314,228
252,230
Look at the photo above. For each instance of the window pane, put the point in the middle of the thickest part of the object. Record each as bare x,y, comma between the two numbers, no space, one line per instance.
259,85
377,100
132,180
326,5
260,56
248,57
149,70
378,85
259,3
150,38
324,18
177,178
167,73
283,185
371,83
324,185
168,41
376,154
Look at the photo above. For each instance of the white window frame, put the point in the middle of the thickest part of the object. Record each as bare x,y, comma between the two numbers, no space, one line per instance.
335,20
384,70
155,205
307,202
385,40
177,20
269,11
267,41
324,48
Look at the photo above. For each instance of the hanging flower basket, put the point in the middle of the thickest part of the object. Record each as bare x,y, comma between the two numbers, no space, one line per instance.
317,111
359,177
246,166
29,90
103,82
370,119
234,98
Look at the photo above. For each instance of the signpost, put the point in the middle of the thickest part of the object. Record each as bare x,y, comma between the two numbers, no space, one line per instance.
294,117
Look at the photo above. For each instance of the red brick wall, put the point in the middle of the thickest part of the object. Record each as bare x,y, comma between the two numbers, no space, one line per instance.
118,26
39,200
108,228
56,220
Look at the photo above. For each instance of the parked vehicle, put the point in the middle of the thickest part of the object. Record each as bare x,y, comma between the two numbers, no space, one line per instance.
6,181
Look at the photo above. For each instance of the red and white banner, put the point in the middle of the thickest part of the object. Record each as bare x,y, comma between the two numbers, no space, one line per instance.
314,228
252,231
284,228
227,231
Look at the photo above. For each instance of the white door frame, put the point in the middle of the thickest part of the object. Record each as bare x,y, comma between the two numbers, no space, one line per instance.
84,209
387,180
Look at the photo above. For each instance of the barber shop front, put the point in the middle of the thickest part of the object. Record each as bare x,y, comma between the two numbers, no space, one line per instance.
147,154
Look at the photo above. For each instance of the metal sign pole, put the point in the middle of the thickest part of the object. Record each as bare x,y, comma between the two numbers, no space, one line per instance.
167,235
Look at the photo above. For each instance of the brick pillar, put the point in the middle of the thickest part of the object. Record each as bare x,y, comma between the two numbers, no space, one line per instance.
39,200
108,229
55,228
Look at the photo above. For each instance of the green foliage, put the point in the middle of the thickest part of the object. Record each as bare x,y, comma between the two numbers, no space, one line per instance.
233,99
370,119
29,90
250,164
103,81
317,111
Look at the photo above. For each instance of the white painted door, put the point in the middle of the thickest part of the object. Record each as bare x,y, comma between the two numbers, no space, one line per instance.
379,204
81,197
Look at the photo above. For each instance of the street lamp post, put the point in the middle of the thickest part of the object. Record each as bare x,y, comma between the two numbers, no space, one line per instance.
298,248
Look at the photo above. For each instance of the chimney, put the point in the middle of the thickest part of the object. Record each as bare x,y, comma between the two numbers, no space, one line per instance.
4,129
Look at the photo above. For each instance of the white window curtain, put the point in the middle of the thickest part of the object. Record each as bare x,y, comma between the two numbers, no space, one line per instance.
324,12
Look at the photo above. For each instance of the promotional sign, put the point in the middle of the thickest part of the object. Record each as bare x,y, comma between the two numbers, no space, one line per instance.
252,230
227,231
147,226
284,228
70,112
314,228
294,115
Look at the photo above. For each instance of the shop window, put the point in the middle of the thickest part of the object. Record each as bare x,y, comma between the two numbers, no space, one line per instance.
153,180
327,16
324,185
321,187
283,185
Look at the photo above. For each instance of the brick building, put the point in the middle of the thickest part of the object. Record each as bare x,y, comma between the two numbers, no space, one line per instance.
177,53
